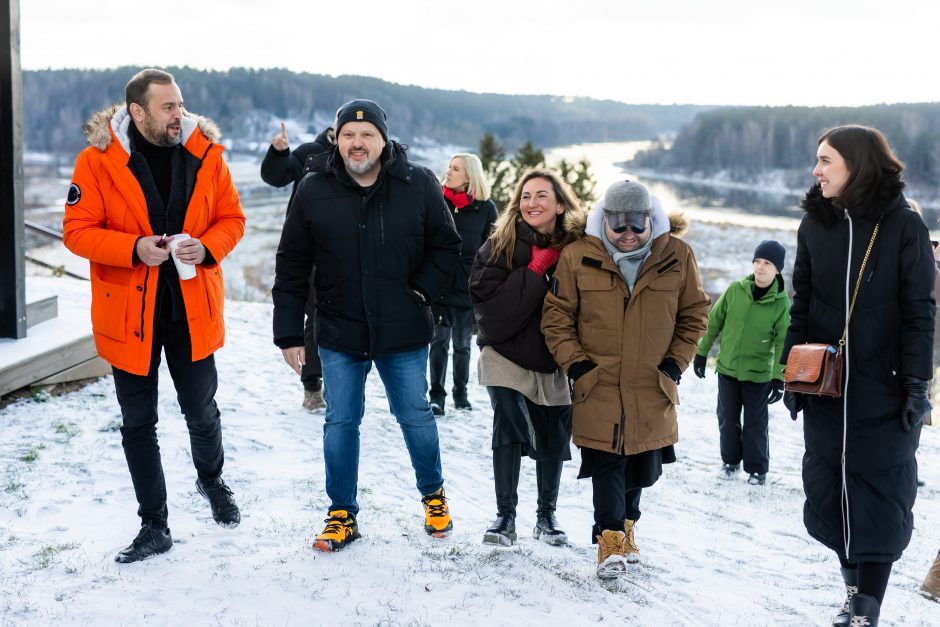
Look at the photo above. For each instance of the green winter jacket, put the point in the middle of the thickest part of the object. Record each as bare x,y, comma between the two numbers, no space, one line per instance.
752,333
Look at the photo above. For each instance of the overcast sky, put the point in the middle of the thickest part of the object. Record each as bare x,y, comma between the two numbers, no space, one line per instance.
773,52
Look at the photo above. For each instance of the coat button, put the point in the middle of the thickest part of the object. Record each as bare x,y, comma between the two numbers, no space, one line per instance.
136,333
140,289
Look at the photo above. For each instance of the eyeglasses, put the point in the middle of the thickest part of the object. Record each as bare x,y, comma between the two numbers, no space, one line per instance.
623,229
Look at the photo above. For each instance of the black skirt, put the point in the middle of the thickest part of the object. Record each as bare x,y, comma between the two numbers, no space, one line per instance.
544,431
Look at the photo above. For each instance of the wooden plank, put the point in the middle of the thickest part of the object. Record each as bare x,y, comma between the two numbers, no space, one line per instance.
96,367
42,310
37,367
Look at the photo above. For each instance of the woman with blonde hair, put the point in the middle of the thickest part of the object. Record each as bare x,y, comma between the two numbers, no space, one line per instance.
468,197
531,403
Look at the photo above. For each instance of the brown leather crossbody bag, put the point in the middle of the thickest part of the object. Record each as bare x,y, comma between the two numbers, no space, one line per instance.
817,369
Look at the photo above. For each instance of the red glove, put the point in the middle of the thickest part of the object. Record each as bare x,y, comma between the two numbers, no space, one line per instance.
543,259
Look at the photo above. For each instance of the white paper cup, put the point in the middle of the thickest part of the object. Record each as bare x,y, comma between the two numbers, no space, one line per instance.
185,270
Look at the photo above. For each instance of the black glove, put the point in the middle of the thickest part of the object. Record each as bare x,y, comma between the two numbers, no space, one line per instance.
698,366
776,391
579,369
437,311
916,406
670,368
793,401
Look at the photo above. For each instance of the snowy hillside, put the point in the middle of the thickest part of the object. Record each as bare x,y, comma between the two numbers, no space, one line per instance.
712,552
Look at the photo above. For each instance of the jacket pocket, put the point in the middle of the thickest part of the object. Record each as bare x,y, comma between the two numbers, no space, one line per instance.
669,388
109,309
583,386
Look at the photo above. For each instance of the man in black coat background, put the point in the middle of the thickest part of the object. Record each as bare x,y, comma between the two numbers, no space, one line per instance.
282,166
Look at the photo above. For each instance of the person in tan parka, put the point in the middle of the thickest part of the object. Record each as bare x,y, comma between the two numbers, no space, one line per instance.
153,170
623,319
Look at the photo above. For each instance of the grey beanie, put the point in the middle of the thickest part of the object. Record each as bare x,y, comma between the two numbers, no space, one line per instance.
773,251
362,111
627,196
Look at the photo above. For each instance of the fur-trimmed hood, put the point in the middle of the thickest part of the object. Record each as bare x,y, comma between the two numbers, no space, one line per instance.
882,200
674,223
116,118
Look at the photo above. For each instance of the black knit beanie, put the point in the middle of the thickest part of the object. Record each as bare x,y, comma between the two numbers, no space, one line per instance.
773,251
362,111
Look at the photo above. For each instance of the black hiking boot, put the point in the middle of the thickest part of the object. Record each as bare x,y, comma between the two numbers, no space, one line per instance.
865,611
546,530
150,541
224,510
502,532
437,406
461,402
844,617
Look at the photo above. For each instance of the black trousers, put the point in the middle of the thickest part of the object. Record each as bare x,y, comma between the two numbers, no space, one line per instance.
752,442
613,502
196,384
457,325
311,373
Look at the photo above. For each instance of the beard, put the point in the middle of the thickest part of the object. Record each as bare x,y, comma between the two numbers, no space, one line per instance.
363,167
159,135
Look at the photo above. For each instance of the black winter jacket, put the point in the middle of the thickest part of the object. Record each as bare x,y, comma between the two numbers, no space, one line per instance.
507,302
282,167
371,248
474,223
890,336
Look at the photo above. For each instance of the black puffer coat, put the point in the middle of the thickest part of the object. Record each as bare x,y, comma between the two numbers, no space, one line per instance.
371,249
890,336
507,302
474,223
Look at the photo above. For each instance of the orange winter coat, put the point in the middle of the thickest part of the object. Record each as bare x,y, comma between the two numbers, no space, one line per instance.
106,213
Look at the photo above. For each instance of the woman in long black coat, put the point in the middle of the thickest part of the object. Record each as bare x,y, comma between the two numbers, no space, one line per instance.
859,471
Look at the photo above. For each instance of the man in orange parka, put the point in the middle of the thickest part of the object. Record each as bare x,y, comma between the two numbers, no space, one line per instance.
153,169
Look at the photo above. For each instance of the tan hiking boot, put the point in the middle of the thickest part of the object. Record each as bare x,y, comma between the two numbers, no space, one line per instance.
313,400
630,550
610,560
931,583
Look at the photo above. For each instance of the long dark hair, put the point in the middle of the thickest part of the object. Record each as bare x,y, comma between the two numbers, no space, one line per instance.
872,164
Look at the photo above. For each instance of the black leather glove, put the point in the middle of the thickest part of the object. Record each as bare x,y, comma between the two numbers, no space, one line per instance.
579,369
437,311
670,368
698,366
776,391
916,406
793,401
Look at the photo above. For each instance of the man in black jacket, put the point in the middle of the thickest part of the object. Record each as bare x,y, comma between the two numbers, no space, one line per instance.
282,166
384,245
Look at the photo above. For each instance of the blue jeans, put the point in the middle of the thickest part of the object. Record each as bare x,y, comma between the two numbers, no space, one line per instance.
344,381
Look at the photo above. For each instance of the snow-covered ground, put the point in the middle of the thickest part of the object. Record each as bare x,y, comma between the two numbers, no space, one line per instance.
712,552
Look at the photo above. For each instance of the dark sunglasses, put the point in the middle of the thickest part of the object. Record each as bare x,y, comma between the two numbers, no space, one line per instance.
639,230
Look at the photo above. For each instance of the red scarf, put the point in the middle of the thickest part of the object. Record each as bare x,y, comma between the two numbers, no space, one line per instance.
459,199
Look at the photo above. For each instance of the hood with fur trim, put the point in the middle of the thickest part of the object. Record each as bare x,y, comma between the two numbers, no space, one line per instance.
674,223
116,118
881,200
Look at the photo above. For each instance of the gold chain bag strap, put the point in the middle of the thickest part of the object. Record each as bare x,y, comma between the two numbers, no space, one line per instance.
817,369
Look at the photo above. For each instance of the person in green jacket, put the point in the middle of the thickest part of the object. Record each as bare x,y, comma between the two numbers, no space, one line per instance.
752,317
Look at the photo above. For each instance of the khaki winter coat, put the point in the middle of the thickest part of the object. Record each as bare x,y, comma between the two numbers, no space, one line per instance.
626,405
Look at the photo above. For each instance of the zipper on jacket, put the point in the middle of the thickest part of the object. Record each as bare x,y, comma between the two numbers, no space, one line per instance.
846,522
382,222
143,304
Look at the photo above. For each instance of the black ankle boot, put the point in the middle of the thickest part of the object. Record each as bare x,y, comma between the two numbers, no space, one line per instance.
221,502
150,541
844,617
502,532
865,611
546,530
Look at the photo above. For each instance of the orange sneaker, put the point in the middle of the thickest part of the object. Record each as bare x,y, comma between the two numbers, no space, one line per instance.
340,530
437,522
